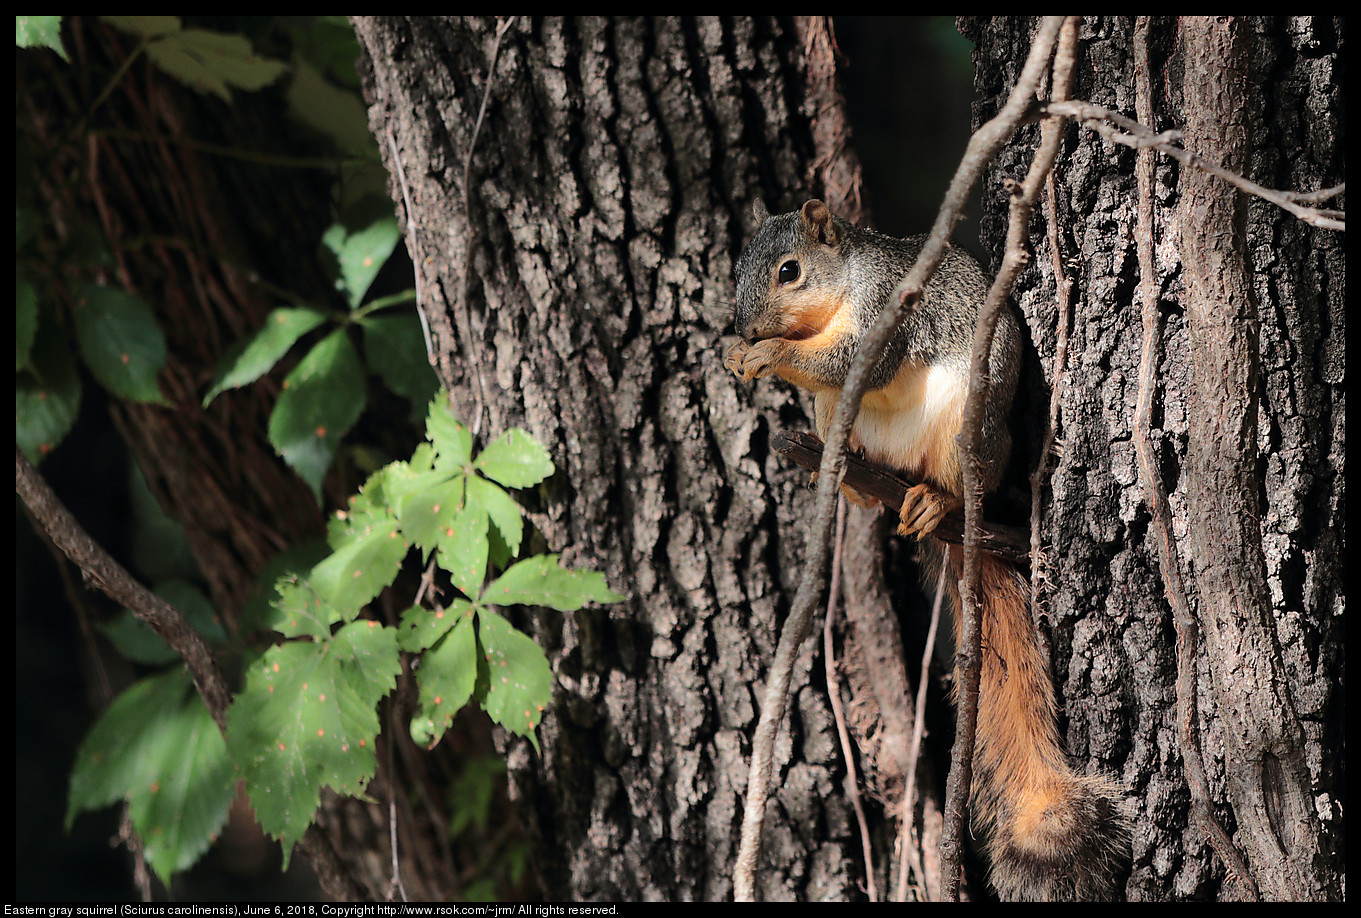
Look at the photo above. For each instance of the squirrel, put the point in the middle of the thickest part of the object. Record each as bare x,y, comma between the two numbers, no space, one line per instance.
809,287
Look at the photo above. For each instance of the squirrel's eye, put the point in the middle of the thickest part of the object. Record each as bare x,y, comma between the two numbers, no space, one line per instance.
789,272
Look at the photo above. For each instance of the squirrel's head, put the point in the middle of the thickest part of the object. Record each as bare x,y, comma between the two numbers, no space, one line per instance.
791,277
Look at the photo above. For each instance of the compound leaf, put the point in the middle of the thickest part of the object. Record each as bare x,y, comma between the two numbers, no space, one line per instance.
282,329
158,748
539,581
519,679
308,719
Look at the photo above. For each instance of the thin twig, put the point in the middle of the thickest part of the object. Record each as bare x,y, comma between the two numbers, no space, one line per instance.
259,158
1140,136
395,885
411,246
1151,479
838,713
1063,290
908,807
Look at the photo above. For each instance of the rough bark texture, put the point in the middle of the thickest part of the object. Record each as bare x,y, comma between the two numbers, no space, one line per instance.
611,187
1257,505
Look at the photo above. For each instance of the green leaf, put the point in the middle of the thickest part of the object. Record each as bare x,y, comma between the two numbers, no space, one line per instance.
329,43
462,549
361,254
539,581
39,32
299,610
120,342
158,748
431,509
451,439
298,559
46,396
422,628
500,508
336,112
520,680
371,505
307,719
395,348
402,479
322,398
515,459
282,328
210,62
447,676
362,567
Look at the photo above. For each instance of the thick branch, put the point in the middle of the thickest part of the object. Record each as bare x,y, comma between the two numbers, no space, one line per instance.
102,571
805,450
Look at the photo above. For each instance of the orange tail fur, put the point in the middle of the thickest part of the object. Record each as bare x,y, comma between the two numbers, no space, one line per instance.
1051,834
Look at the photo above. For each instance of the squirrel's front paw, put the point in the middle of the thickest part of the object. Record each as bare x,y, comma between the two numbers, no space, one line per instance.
752,361
923,508
733,361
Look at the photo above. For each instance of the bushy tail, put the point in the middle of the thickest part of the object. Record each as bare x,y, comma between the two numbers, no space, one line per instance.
1051,834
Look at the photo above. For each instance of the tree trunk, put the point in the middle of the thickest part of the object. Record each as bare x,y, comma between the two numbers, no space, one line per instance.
1248,431
579,286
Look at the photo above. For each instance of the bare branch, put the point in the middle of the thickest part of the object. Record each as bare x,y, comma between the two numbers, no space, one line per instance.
968,660
1140,136
102,571
918,721
1063,288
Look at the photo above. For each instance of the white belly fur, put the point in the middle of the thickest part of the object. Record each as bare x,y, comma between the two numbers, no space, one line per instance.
911,424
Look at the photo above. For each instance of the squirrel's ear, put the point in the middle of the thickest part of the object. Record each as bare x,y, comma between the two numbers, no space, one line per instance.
817,222
759,212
